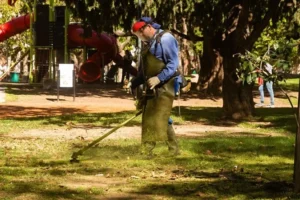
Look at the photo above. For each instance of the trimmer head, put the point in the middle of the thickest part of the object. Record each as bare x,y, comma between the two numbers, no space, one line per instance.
74,160
75,156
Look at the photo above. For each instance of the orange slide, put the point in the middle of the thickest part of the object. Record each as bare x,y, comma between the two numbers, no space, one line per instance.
90,71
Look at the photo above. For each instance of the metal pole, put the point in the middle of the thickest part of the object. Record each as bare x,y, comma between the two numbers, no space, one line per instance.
66,56
102,69
297,147
74,85
139,40
51,52
32,45
58,84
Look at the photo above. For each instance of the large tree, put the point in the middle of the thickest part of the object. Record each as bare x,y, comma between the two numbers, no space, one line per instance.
227,28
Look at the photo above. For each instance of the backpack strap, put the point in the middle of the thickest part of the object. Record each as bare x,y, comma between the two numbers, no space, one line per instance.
158,42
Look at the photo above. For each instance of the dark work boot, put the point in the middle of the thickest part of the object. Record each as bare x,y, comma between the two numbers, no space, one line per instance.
172,142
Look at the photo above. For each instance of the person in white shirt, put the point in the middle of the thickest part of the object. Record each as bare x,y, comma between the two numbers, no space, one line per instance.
268,68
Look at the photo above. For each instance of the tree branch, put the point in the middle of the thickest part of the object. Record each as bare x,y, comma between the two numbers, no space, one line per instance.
122,34
243,19
188,37
273,8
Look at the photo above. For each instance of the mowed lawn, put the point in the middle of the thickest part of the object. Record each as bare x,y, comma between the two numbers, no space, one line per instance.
256,162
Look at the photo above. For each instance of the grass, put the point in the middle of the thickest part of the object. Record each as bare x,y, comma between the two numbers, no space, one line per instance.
255,163
291,84
246,165
10,97
216,165
282,119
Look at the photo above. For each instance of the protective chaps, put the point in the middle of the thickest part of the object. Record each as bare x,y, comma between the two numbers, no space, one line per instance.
172,142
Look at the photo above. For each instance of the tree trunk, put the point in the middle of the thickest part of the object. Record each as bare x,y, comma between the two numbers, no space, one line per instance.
211,72
184,49
296,176
237,98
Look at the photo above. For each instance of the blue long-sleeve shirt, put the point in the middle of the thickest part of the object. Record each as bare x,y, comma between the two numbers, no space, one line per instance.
166,51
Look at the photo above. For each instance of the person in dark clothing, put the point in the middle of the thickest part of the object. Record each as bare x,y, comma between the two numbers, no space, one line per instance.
127,64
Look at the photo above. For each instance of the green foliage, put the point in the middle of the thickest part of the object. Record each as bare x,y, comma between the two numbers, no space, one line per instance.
248,66
278,37
105,15
278,54
297,17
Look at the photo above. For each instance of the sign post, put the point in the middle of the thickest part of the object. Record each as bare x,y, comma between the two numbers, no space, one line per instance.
66,78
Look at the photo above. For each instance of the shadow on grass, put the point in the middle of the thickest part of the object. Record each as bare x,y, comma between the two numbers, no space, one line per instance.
271,119
249,184
282,118
269,146
206,181
279,118
95,90
86,120
46,191
239,187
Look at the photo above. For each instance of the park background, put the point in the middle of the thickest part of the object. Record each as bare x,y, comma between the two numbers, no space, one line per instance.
230,150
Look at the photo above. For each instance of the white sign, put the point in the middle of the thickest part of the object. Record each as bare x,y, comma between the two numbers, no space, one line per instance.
66,75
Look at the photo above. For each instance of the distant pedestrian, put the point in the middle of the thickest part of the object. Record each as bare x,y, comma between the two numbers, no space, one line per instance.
267,72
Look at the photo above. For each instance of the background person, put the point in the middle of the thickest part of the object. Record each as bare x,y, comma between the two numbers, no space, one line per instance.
268,68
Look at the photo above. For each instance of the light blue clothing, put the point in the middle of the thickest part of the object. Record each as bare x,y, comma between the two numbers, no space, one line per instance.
166,51
269,86
177,82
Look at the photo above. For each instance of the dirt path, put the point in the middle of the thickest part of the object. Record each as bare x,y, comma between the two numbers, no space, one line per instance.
191,130
37,102
33,102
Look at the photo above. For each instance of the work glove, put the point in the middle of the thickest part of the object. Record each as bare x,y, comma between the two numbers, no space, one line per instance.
152,82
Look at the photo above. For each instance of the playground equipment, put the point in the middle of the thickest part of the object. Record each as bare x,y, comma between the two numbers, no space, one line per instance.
8,71
90,71
107,51
14,26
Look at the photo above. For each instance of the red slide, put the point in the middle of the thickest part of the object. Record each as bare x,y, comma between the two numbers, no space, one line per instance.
91,69
14,26
105,44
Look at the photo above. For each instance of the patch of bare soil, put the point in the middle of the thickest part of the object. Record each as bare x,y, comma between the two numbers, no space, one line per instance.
191,130
33,102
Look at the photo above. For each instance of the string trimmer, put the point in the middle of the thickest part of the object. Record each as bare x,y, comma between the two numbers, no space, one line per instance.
80,152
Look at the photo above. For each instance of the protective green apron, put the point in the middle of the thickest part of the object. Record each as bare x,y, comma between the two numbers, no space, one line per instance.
159,102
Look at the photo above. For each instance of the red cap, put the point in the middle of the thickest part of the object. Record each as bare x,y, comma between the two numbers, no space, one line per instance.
138,25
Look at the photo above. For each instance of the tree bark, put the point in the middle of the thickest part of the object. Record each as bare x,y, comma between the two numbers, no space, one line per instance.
184,50
237,98
211,72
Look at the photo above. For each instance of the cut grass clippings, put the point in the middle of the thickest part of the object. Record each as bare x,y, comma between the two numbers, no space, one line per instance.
254,164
